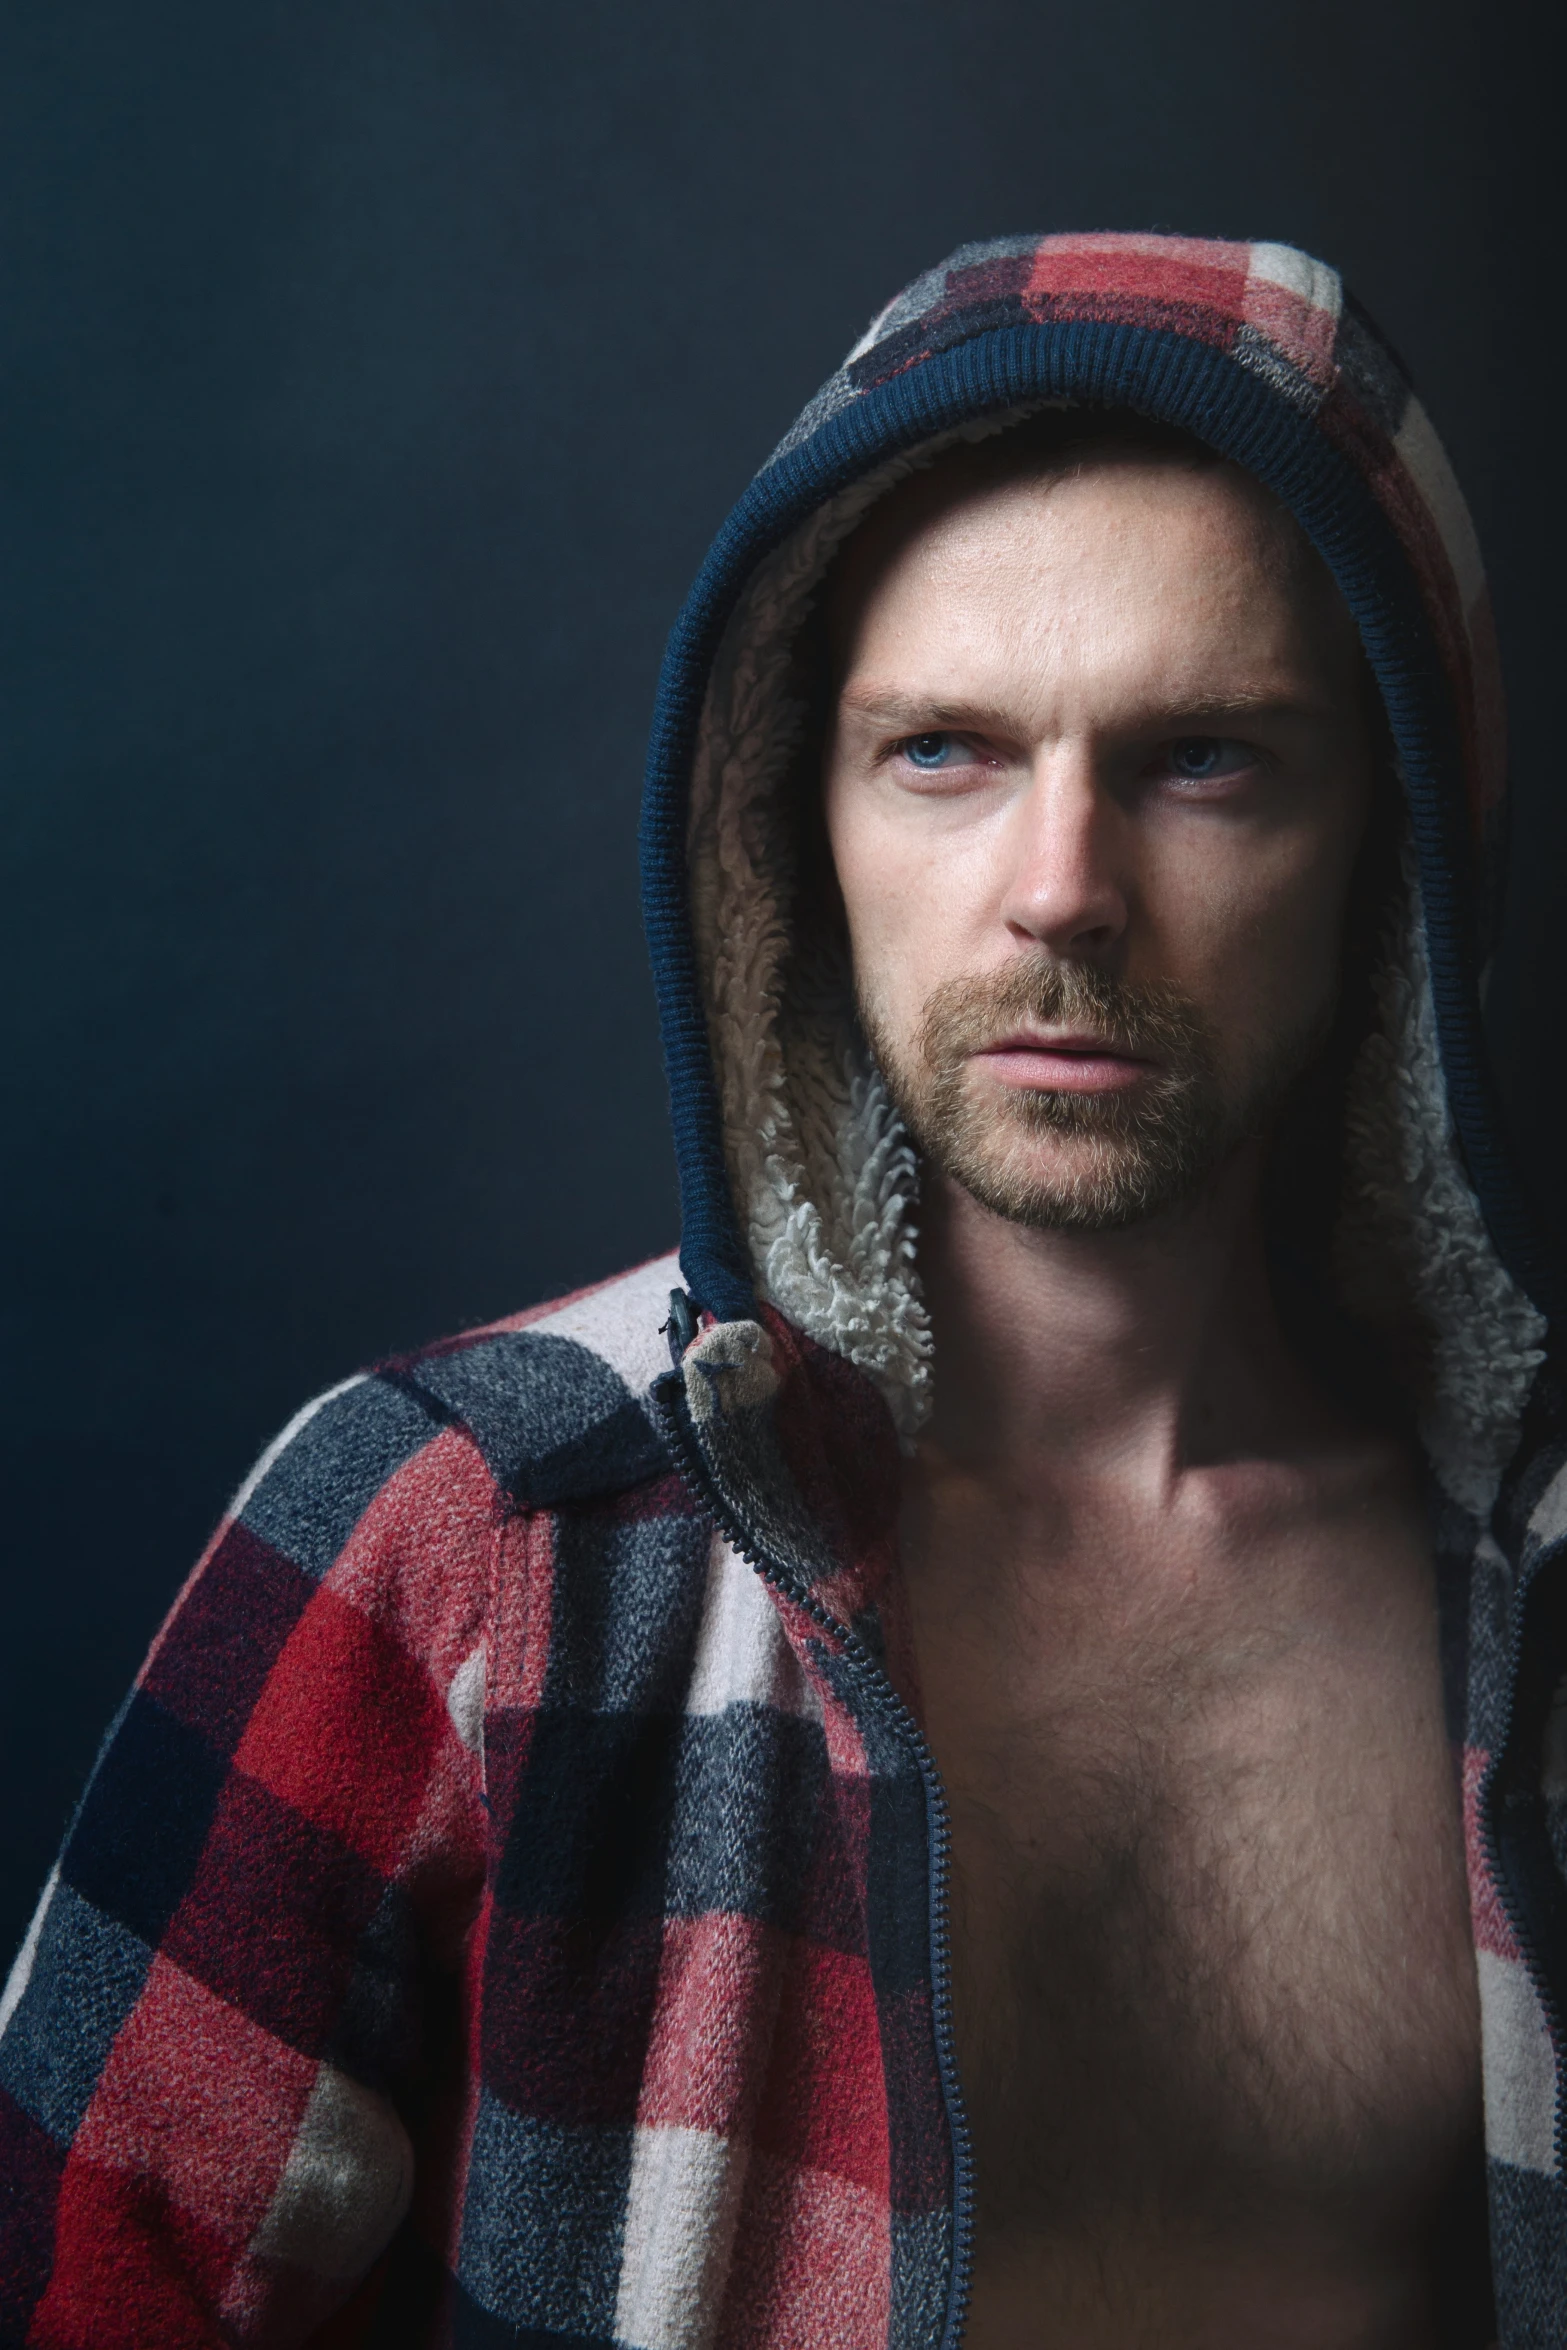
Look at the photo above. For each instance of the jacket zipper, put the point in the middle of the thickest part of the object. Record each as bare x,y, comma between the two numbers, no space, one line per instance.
1523,1935
674,1412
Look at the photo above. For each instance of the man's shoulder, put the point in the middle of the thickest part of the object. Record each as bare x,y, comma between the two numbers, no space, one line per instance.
557,1398
621,1322
554,1400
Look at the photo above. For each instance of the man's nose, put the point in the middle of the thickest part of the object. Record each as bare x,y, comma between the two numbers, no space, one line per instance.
1067,890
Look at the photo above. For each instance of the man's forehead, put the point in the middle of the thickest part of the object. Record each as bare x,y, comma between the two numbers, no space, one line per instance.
1118,483
1121,563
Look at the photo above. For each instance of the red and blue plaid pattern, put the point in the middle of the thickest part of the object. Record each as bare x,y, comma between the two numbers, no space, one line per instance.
491,1890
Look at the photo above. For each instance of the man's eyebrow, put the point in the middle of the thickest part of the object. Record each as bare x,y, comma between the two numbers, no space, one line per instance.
900,713
905,714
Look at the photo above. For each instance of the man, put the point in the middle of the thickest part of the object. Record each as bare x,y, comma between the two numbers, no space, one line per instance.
1158,1581
941,1815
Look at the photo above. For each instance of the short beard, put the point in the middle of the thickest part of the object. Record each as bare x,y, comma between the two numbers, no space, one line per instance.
1120,1156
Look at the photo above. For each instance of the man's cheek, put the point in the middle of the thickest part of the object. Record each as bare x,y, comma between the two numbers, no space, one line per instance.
900,1008
1268,948
895,961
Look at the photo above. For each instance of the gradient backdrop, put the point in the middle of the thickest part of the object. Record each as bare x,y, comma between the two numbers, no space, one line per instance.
375,373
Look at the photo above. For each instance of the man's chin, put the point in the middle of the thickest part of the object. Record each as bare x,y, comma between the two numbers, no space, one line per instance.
1078,1185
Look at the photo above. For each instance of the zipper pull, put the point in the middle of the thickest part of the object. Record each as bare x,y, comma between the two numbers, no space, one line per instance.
681,1326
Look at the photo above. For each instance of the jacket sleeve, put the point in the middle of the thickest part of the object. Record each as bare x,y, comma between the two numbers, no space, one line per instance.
218,2071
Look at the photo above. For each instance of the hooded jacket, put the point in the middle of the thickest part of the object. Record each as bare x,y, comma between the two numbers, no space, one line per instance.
510,1907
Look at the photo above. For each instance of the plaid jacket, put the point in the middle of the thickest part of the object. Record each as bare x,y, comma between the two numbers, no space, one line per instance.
510,1907
486,1842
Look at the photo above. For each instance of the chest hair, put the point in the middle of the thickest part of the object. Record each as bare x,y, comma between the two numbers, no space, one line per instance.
1209,1921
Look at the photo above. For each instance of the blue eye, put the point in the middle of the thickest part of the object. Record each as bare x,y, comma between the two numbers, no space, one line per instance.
929,751
1196,754
1207,758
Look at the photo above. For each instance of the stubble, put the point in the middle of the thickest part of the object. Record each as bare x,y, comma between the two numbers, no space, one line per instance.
1108,1159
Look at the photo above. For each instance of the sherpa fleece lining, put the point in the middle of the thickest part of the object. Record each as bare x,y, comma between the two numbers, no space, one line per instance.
824,1174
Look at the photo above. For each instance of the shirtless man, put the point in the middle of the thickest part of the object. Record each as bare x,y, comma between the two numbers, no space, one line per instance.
1101,772
904,1781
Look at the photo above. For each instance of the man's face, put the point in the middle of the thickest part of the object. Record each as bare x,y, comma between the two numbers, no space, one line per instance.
1097,778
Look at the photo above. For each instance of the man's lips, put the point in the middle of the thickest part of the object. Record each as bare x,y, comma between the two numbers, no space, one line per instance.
1062,1064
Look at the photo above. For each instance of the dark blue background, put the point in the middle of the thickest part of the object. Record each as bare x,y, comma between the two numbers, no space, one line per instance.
374,378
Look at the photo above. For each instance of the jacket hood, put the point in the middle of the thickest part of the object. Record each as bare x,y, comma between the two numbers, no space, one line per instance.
799,1186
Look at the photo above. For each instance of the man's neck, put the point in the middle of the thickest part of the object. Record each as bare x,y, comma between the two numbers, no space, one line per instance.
1141,1352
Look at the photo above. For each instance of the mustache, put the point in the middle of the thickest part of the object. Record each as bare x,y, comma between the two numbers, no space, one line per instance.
1154,1022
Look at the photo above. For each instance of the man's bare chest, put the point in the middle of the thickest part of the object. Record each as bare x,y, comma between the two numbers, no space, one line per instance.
1213,1976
